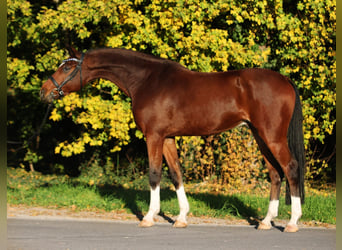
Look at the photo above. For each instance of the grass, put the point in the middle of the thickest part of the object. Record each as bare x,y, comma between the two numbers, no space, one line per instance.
34,189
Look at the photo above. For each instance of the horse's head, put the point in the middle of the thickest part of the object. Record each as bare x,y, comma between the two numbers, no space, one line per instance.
67,78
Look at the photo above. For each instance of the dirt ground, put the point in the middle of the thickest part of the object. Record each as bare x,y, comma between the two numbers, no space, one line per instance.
17,211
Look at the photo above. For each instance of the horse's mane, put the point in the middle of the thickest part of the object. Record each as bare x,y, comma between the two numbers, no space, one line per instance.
134,54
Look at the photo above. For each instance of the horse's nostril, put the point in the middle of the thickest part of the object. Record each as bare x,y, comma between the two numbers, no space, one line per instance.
42,94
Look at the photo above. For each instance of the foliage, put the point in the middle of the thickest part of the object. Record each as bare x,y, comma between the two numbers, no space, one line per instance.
231,159
201,35
104,120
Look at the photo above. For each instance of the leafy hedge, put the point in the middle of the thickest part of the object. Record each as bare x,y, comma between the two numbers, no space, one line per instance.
298,39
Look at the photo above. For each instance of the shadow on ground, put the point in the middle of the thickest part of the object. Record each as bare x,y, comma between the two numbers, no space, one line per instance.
230,204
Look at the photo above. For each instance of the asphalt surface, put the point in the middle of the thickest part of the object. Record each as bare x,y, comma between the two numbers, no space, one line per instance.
27,233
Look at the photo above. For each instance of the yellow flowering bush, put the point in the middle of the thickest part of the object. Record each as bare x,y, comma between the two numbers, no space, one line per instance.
231,158
298,40
103,120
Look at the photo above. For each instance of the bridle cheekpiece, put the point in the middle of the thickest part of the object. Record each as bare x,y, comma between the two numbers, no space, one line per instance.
69,77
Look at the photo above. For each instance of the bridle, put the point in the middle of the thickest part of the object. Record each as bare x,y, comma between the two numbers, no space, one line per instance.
69,77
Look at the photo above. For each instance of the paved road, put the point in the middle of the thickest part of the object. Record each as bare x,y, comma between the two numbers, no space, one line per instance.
82,234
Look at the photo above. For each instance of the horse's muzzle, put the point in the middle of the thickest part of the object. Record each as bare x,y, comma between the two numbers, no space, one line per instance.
46,97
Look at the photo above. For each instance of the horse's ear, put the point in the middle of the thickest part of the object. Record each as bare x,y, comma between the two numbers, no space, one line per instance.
73,52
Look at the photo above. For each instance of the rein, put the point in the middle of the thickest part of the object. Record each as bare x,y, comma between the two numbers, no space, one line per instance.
70,77
37,133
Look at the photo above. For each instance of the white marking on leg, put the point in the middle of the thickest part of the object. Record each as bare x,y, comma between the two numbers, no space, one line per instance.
154,204
183,204
272,212
296,210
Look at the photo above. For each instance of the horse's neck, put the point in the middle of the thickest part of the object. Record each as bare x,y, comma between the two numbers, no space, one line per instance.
126,75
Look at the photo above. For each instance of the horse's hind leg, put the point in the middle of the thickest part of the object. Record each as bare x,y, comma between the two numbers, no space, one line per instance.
274,197
290,168
291,172
280,159
155,156
171,156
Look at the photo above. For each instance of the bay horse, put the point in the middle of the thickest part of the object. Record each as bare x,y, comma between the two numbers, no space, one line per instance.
169,100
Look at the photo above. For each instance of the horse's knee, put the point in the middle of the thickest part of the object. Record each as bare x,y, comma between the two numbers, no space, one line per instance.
171,156
154,176
176,177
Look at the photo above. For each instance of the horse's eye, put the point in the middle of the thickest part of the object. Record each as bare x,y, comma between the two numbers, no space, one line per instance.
66,68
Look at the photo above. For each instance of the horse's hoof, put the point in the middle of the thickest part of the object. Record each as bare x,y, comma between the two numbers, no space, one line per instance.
291,228
180,224
263,226
146,223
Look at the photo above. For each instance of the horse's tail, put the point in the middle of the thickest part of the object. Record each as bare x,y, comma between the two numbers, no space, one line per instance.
295,141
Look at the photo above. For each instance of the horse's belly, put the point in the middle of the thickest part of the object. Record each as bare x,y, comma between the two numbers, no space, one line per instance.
202,123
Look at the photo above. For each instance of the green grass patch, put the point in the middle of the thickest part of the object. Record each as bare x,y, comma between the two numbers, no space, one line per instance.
34,189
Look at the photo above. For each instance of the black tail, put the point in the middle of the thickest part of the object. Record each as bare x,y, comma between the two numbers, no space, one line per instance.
295,141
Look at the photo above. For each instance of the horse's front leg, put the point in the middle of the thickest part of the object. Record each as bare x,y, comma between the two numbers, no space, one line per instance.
155,156
171,156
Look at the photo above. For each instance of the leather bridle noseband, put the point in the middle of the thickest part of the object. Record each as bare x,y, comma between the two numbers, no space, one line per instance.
70,77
